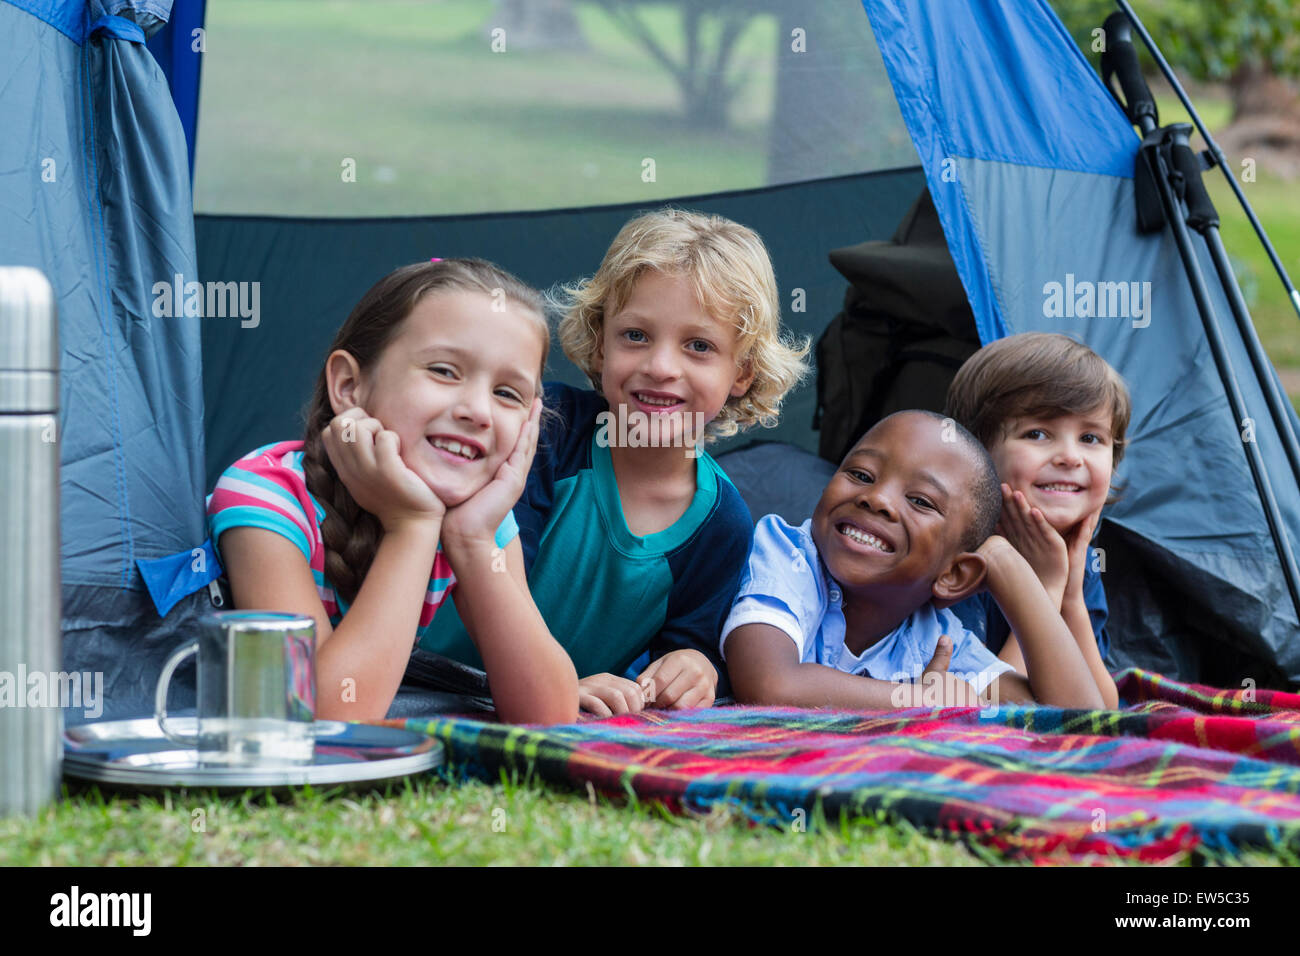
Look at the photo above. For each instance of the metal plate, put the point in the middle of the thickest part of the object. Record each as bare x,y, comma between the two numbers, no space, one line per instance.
135,753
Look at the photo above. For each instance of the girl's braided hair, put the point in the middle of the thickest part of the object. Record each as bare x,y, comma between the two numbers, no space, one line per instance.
351,534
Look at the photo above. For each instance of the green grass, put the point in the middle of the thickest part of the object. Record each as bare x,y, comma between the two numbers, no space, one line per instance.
426,821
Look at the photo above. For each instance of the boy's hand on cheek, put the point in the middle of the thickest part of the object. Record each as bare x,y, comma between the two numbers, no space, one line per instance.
680,679
1078,546
1037,541
606,695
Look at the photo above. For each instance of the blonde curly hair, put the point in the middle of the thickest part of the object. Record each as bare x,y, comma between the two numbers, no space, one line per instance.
730,272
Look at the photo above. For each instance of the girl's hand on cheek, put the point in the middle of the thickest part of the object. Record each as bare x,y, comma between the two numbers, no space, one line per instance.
368,460
1040,544
479,516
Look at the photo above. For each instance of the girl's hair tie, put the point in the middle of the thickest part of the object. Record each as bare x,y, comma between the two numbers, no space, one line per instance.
435,259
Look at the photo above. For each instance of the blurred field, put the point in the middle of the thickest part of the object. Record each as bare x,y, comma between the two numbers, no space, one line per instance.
439,124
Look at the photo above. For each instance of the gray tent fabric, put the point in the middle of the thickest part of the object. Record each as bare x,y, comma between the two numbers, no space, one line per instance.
95,193
777,478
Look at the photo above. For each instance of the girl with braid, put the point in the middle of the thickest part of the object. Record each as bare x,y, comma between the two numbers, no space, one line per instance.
419,438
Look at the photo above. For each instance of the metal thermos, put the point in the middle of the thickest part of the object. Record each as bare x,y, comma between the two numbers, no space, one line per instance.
31,750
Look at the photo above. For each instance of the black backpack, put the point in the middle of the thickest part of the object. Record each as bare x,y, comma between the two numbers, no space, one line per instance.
905,330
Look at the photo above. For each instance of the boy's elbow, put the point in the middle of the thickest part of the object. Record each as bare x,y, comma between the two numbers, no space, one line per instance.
545,716
553,703
1077,698
761,686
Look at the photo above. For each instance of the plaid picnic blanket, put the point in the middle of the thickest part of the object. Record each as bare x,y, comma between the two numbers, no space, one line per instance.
1181,771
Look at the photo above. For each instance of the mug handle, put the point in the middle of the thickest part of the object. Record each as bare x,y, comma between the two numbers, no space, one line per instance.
160,695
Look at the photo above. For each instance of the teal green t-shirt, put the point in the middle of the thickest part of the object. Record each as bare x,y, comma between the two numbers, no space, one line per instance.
606,594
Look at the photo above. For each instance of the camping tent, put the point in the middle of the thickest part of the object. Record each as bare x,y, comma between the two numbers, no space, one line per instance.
94,191
314,156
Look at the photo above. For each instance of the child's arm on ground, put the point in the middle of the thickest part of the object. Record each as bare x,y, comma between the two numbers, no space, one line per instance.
1057,672
1075,611
531,676
765,669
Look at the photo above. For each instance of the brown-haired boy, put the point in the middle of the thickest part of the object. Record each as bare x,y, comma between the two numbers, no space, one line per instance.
1053,416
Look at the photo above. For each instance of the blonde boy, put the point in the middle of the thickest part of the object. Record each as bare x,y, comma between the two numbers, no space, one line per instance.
633,535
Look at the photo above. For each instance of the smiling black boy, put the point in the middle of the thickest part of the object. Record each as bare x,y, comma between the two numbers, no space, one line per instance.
850,609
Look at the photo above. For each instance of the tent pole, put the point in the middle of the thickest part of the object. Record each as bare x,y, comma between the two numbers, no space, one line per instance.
1215,337
1204,219
1215,152
1157,153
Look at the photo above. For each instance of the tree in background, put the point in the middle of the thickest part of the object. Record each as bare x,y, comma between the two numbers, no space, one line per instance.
834,109
710,30
1253,46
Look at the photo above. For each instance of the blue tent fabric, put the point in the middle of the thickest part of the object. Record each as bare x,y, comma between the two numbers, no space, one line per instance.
1027,65
172,578
1040,160
174,48
78,19
95,192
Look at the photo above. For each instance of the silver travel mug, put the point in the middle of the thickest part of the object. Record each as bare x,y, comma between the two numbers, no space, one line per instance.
31,754
256,689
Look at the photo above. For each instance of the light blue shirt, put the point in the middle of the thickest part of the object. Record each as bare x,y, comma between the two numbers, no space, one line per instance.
785,584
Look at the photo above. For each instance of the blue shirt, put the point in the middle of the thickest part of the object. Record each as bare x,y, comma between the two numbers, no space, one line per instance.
786,585
982,616
609,595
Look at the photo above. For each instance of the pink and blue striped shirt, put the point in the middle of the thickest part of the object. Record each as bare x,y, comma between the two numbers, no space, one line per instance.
267,489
